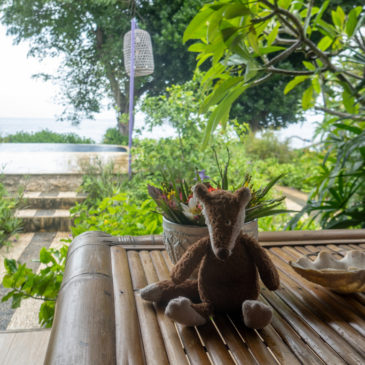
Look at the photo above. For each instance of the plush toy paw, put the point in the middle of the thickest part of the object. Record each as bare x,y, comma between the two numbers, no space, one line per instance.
256,314
152,292
180,310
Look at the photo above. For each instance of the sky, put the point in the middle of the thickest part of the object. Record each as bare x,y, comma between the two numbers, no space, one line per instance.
21,96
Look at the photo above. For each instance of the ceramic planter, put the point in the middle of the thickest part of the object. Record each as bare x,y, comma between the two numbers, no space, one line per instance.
178,237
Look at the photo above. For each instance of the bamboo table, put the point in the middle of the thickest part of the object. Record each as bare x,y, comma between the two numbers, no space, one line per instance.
101,319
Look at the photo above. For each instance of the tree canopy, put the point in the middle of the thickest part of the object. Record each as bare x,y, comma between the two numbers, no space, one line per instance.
89,37
247,41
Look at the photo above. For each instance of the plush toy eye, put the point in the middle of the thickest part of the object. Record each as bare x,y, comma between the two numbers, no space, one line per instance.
228,222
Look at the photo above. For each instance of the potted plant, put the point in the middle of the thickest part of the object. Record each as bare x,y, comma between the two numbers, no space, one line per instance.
183,221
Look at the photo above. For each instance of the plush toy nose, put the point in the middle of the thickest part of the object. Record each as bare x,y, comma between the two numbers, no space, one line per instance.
222,253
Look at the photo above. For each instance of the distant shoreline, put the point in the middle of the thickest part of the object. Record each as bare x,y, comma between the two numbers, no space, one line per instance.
94,129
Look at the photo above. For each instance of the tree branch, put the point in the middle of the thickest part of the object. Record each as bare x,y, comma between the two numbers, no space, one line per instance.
262,80
341,114
308,17
321,55
294,72
284,41
283,55
263,19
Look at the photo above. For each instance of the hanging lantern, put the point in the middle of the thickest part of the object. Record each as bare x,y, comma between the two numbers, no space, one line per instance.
143,56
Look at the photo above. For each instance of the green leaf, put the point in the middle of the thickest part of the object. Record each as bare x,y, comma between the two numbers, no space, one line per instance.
309,66
336,19
273,34
197,27
221,113
284,3
8,296
10,265
270,49
350,128
348,101
341,16
291,84
316,84
219,92
321,11
8,281
327,29
324,43
197,47
234,10
307,98
352,21
252,39
17,299
45,256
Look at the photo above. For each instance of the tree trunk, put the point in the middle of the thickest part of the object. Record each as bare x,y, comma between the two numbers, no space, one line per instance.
120,100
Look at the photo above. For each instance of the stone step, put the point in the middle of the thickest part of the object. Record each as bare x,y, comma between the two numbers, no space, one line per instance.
27,347
44,220
52,200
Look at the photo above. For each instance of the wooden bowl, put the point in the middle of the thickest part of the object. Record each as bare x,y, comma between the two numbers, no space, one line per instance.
346,275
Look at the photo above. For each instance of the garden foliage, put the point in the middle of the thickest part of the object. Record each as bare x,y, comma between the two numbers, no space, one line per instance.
9,225
246,43
45,285
44,136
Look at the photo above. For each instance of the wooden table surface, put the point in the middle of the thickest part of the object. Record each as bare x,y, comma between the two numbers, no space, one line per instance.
101,318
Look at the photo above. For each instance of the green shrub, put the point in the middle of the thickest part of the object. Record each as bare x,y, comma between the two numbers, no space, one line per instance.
268,146
9,224
117,215
113,136
45,285
45,136
99,181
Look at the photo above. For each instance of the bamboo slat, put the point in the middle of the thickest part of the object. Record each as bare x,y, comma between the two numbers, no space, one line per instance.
304,292
80,335
153,342
278,347
321,348
288,238
101,318
255,344
189,338
129,347
298,347
233,341
173,347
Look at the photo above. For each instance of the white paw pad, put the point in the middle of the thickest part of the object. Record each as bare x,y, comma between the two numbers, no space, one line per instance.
180,310
152,292
256,314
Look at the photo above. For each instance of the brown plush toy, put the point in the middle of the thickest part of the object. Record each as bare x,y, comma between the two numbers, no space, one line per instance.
229,262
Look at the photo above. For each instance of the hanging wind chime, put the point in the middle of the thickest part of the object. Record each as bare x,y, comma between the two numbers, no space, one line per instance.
138,61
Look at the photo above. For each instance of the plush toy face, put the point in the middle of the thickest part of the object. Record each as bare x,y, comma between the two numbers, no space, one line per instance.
224,215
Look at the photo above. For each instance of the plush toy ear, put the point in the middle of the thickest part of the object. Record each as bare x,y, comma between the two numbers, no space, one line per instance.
244,196
201,192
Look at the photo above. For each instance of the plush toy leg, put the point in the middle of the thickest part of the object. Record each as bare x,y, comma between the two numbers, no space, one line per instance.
183,311
166,290
256,314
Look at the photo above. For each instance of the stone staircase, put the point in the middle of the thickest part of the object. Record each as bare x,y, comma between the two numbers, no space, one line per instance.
48,211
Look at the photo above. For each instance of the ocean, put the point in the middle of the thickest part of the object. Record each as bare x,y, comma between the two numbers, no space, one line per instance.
300,135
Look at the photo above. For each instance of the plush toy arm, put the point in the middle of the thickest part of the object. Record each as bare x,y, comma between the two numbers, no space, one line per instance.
268,273
189,261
